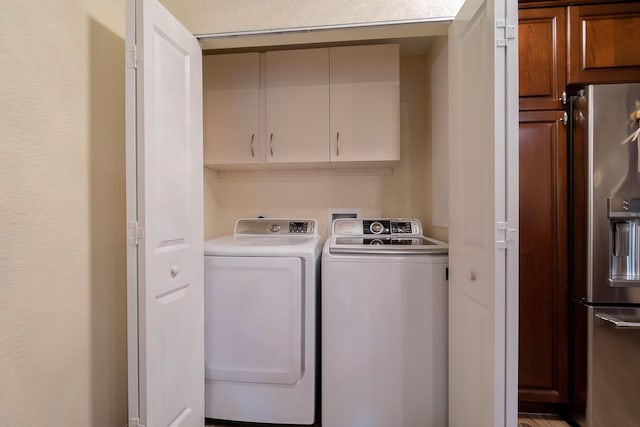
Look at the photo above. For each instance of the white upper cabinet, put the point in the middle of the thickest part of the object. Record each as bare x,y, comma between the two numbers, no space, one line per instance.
305,107
365,103
232,109
297,106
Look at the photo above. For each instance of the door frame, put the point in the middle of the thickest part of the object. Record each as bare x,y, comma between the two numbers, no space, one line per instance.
430,27
131,173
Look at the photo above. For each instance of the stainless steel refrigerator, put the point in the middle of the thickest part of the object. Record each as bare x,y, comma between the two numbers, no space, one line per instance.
605,253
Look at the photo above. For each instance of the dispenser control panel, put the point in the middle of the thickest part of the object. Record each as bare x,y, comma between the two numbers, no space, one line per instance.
261,226
376,226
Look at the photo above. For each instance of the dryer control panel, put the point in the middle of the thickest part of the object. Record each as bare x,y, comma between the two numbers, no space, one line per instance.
267,226
376,226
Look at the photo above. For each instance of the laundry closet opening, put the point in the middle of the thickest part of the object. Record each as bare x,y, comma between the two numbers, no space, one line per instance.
276,137
469,68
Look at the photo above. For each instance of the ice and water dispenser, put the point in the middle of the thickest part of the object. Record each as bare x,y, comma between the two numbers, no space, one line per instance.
624,254
623,211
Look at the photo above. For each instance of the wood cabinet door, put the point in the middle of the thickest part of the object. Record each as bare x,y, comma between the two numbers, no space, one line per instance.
297,112
543,375
365,103
603,43
231,105
542,58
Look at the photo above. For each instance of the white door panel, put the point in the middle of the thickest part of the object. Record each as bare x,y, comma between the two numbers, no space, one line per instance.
168,185
387,317
253,320
483,117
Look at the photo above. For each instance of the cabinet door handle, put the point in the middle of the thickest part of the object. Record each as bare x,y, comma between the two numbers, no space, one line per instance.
174,271
564,119
563,97
253,136
271,144
337,144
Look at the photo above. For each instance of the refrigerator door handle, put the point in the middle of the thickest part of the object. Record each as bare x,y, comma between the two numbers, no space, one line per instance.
617,323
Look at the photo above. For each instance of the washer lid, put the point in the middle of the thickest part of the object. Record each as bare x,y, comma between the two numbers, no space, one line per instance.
386,245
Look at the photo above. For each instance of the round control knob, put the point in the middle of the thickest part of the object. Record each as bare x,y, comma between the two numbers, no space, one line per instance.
376,227
175,270
376,242
274,228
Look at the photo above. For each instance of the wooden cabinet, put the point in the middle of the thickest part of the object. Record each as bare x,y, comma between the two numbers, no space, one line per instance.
365,103
542,33
604,43
543,284
543,344
297,106
572,42
231,109
308,107
542,60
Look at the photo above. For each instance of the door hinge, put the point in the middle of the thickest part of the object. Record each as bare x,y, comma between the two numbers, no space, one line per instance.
509,235
134,422
133,56
510,32
135,233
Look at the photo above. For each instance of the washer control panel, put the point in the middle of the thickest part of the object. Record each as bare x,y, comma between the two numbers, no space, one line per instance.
267,226
376,226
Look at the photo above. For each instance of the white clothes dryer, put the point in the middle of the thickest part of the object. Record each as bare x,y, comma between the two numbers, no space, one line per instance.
384,325
260,322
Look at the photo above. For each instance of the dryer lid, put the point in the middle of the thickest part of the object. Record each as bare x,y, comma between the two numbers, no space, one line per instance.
269,237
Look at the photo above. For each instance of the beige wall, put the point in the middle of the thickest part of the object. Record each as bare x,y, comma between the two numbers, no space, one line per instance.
438,124
62,265
220,16
405,192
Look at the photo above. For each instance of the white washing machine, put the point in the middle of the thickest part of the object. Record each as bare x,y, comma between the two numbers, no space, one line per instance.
260,322
384,325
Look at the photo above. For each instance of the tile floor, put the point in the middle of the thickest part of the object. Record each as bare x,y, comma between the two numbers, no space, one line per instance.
239,424
524,420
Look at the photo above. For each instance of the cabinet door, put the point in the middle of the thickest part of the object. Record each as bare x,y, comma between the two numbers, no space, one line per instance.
543,289
297,112
365,103
542,58
231,109
603,43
